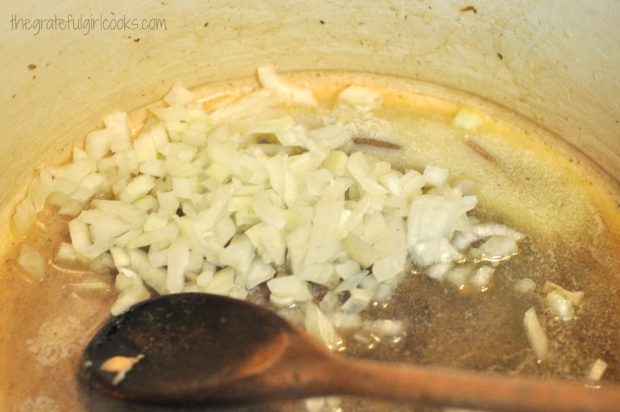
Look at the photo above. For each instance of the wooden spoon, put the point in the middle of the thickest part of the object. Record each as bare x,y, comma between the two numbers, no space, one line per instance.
201,349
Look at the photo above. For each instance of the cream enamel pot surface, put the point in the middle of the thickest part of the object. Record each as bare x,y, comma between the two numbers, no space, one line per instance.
555,64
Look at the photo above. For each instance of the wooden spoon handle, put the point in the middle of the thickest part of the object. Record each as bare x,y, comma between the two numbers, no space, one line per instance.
447,387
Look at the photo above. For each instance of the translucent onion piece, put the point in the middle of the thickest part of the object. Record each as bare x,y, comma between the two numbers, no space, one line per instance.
535,334
32,261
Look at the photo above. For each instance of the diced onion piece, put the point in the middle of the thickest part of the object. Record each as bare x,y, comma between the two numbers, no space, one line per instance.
573,297
315,404
24,218
330,137
137,188
132,291
195,261
387,268
259,272
463,240
323,404
88,287
31,261
155,221
222,283
66,253
460,274
351,282
239,254
525,285
481,278
116,124
385,327
560,306
346,321
499,247
320,326
434,251
268,241
597,370
97,143
358,300
435,176
347,269
178,260
431,223
484,230
358,167
268,212
360,97
321,274
120,257
336,162
360,251
203,279
38,192
438,270
271,81
467,119
535,334
179,95
80,236
289,288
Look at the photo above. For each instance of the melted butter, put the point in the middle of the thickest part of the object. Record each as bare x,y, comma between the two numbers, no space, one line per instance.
526,179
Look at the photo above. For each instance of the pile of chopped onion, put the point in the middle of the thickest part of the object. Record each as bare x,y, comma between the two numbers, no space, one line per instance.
244,198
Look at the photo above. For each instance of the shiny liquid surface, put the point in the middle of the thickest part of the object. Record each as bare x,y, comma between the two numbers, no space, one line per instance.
573,239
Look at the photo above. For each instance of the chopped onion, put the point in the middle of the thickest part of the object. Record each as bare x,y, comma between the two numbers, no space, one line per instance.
597,370
85,289
499,247
359,299
24,218
360,97
320,326
560,306
178,261
481,278
179,95
573,297
438,271
222,283
360,251
31,261
467,119
197,202
535,334
346,321
484,230
432,221
259,272
131,289
435,176
460,274
387,268
271,81
525,285
386,327
289,288
347,269
66,253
